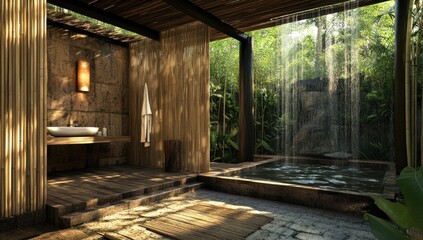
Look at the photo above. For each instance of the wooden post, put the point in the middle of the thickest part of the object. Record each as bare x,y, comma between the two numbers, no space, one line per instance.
246,107
402,21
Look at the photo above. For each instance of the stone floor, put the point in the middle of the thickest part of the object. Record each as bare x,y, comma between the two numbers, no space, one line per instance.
290,221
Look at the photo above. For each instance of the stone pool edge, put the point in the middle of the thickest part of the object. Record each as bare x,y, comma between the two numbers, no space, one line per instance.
221,179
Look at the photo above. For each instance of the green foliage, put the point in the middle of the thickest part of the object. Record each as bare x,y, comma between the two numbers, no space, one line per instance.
224,61
385,230
375,150
315,48
411,185
405,215
225,143
396,211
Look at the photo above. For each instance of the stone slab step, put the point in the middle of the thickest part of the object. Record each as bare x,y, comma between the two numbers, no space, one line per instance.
55,211
77,218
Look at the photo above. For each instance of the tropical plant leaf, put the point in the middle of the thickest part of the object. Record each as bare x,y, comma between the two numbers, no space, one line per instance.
265,145
234,132
216,95
371,117
410,182
396,211
233,144
373,96
384,230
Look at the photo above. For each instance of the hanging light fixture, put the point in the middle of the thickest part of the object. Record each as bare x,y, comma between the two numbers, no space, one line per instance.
83,76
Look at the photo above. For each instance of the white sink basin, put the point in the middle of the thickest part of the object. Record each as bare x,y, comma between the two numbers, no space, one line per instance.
72,131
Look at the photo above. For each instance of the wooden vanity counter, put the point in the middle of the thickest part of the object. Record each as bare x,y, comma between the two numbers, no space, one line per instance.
86,140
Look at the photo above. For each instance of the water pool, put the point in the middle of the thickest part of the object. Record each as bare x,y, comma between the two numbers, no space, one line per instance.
350,177
341,185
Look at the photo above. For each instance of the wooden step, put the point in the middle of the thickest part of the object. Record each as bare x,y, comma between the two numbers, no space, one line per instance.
55,211
92,214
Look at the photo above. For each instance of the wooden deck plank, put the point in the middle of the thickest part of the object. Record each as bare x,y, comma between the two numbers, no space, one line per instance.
26,232
71,192
217,227
114,173
64,196
201,223
98,191
68,234
191,228
82,174
231,213
85,189
113,184
219,219
85,185
172,231
52,200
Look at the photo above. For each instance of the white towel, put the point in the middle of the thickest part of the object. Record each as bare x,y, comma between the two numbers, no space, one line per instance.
146,118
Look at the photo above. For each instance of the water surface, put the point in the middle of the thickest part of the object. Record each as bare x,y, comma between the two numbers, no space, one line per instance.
351,177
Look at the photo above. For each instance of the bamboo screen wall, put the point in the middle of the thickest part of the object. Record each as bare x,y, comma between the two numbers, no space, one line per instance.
144,69
177,74
22,106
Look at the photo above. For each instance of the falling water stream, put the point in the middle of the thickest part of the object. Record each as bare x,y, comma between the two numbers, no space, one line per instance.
320,100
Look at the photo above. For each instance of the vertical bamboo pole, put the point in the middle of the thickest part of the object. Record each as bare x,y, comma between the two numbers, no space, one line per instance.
18,116
24,70
2,107
410,97
9,114
43,104
22,106
401,75
31,96
15,110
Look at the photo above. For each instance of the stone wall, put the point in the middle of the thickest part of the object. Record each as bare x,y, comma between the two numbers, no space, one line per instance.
105,105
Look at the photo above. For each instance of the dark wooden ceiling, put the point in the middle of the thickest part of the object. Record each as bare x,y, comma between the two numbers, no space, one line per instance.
244,15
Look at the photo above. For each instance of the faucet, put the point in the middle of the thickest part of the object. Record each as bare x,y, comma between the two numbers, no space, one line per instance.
73,123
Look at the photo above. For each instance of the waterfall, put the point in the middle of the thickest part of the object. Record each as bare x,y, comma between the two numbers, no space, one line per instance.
319,101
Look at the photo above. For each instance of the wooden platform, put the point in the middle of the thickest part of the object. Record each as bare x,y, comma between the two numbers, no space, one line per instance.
207,221
68,234
74,191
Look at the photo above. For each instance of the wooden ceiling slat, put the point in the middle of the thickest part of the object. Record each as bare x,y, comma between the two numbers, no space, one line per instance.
244,15
103,15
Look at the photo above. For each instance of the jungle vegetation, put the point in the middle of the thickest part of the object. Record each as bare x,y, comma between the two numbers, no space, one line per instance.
374,29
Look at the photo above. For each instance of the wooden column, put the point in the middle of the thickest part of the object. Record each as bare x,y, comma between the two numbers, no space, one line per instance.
246,100
23,86
402,21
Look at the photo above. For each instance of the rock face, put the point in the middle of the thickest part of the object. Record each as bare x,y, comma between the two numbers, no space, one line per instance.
321,123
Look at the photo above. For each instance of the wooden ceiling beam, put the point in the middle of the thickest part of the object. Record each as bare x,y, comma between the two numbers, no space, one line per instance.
104,16
85,32
207,18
